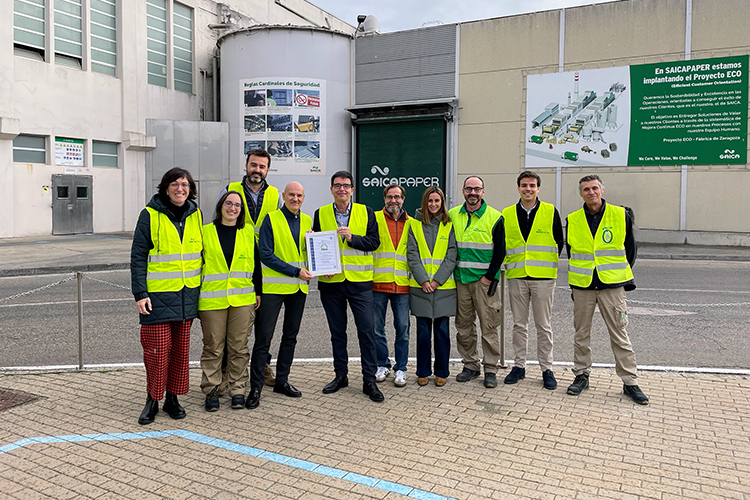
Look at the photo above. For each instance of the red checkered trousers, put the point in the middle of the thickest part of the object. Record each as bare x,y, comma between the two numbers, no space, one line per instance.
166,349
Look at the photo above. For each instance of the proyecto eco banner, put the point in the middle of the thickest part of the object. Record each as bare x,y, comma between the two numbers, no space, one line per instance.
410,153
671,113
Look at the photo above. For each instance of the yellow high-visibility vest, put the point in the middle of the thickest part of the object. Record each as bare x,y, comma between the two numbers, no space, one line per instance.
390,263
357,265
285,248
536,257
223,286
174,263
604,252
432,260
270,203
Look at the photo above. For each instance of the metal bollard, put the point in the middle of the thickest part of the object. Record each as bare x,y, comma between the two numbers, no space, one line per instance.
502,320
79,277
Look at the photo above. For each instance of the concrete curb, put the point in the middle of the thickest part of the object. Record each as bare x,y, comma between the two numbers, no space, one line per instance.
88,268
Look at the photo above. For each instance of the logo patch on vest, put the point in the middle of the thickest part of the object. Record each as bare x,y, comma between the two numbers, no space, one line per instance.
607,235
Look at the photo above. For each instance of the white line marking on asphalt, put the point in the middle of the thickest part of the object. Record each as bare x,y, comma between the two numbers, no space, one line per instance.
509,362
65,302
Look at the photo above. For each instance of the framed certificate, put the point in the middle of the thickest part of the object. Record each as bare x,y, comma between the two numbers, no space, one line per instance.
323,254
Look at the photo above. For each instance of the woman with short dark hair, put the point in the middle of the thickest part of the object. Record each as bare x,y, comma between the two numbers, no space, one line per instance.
165,267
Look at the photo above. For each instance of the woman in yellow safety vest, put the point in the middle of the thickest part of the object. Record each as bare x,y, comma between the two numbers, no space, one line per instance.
165,268
227,299
431,253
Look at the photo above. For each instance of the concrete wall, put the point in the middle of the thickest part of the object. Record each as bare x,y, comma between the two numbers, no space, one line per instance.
497,55
51,100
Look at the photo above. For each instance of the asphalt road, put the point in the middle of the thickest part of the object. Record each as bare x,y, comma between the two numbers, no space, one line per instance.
683,314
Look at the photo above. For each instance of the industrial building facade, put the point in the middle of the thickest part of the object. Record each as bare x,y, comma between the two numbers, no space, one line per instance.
89,85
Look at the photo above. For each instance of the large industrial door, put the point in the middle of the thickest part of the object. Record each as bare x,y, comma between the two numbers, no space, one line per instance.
72,204
410,153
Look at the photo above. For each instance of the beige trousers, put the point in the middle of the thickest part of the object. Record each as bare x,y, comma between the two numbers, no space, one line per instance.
231,325
538,294
473,301
614,311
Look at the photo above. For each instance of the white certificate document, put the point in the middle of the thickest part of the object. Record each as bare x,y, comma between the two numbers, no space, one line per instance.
323,255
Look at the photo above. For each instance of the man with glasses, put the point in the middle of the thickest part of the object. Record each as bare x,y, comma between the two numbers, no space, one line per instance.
358,237
480,237
391,283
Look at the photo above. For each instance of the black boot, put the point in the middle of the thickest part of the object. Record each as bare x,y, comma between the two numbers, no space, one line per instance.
172,407
149,411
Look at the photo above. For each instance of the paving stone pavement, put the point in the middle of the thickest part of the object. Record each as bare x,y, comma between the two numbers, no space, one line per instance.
460,441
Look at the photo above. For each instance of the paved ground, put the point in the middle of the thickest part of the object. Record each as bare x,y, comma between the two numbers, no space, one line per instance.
80,439
75,434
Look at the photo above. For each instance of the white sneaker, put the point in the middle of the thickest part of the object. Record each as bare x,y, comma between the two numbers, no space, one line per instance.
399,379
382,373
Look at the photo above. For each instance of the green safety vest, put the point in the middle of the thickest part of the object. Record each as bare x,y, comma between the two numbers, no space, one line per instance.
285,248
390,263
221,286
474,240
357,264
432,260
536,257
604,252
174,263
270,203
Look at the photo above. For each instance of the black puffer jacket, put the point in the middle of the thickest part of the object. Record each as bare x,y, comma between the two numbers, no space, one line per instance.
165,306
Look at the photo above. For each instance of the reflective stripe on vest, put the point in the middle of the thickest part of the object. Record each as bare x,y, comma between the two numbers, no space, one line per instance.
604,252
432,260
174,263
474,240
285,248
221,286
270,203
536,257
357,265
390,264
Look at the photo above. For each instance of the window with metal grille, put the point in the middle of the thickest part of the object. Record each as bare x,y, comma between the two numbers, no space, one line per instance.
29,28
103,26
68,22
104,154
182,29
30,149
156,41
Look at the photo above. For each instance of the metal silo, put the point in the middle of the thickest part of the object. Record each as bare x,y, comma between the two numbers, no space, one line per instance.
286,89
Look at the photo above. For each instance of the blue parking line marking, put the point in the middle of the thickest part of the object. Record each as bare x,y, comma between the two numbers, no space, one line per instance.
305,465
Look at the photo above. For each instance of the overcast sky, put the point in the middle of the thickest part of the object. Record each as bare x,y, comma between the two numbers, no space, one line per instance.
397,15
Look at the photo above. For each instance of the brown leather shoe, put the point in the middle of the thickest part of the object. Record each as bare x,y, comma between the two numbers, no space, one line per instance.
269,376
440,381
422,380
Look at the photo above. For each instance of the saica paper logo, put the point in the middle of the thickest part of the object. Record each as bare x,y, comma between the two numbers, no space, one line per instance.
607,235
383,171
729,154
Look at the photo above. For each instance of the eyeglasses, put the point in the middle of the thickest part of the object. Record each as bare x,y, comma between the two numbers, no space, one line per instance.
229,204
393,197
468,189
183,185
342,186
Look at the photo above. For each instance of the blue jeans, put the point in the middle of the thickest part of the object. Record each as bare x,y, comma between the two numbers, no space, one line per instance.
424,347
400,308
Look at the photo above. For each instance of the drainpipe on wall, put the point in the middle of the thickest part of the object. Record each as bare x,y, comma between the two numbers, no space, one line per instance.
278,2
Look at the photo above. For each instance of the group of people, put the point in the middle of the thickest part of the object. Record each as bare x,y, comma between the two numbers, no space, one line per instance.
237,271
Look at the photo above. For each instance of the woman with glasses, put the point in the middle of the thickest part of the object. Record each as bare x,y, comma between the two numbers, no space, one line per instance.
165,267
227,299
431,253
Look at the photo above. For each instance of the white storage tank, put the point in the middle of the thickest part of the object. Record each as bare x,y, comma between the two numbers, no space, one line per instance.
286,89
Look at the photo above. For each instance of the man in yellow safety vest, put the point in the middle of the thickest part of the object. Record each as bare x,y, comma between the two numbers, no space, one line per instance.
358,237
533,242
601,252
285,282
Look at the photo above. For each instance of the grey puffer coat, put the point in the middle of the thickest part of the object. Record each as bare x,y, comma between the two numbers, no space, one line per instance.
440,303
